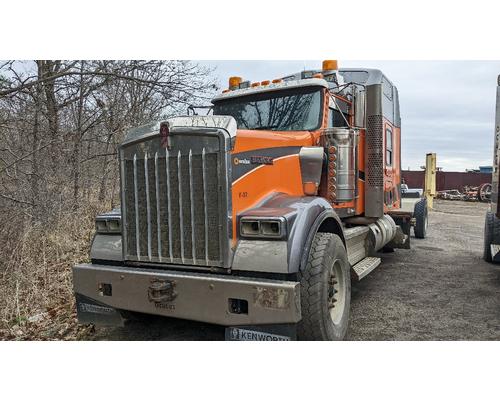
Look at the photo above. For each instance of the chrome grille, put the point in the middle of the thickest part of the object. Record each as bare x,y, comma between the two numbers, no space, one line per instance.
173,210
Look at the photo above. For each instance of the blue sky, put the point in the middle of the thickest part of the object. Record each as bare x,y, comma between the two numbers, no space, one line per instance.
447,107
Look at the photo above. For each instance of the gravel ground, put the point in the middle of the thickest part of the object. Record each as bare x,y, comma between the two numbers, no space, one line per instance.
441,289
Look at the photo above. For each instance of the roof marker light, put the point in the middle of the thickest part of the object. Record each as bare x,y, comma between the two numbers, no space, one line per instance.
234,82
265,83
330,65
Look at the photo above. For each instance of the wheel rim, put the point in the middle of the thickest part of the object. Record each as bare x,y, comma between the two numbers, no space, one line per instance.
336,292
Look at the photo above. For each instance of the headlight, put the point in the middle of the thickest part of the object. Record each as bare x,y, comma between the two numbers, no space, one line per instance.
108,225
258,227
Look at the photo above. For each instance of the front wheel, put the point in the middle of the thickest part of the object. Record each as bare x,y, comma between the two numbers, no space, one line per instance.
491,234
325,290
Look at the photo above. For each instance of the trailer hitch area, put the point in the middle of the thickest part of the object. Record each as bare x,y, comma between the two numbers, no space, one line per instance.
161,291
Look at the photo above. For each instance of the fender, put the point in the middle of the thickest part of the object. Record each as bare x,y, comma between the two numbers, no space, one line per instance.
106,247
304,217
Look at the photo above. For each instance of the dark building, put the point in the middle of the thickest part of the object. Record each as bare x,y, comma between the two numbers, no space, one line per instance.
447,180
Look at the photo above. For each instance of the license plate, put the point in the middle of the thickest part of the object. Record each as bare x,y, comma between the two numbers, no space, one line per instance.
245,334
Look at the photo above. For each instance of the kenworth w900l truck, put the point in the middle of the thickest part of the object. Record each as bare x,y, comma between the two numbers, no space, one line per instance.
258,216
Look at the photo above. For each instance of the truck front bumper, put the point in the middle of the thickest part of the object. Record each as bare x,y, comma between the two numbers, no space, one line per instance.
102,291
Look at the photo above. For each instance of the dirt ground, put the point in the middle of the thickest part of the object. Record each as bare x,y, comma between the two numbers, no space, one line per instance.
441,289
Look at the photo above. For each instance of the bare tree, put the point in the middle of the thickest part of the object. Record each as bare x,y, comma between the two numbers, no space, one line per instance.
61,123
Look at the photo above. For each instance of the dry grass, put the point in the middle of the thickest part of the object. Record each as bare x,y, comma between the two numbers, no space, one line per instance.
36,298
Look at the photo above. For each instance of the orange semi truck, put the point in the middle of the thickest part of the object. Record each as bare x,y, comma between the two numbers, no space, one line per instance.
258,216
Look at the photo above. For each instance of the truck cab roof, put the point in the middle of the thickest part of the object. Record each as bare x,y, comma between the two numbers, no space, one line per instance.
272,87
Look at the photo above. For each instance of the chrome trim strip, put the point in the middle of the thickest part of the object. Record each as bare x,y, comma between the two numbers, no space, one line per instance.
167,170
181,223
157,190
191,194
148,206
123,208
136,204
203,168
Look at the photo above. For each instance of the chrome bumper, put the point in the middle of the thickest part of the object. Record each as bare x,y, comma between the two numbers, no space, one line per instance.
187,295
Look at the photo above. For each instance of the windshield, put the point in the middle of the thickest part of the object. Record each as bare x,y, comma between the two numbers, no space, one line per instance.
286,110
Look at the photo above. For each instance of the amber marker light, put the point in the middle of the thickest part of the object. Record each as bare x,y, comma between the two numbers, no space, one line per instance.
330,65
277,80
265,83
310,188
234,82
255,84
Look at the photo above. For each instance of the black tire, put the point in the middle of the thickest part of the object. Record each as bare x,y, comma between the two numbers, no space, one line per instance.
325,290
491,234
421,215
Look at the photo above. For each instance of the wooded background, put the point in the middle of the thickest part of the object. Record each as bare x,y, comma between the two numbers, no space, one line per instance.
60,125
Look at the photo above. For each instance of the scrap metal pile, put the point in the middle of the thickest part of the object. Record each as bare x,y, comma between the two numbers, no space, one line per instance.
468,193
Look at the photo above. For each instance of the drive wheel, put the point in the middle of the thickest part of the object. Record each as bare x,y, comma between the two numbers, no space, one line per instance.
491,234
325,290
421,215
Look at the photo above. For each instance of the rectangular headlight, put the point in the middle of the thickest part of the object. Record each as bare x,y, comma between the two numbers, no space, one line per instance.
108,225
258,227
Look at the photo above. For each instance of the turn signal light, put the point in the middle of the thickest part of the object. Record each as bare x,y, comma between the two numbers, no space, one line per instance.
310,188
330,65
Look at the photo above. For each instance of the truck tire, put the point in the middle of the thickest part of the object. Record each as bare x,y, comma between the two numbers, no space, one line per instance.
491,234
325,290
421,215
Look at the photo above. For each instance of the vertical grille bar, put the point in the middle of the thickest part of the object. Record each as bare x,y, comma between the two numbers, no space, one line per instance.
157,193
203,168
148,207
167,170
181,223
136,205
191,195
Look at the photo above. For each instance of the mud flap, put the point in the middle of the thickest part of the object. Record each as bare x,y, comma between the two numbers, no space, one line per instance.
403,233
267,333
90,311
